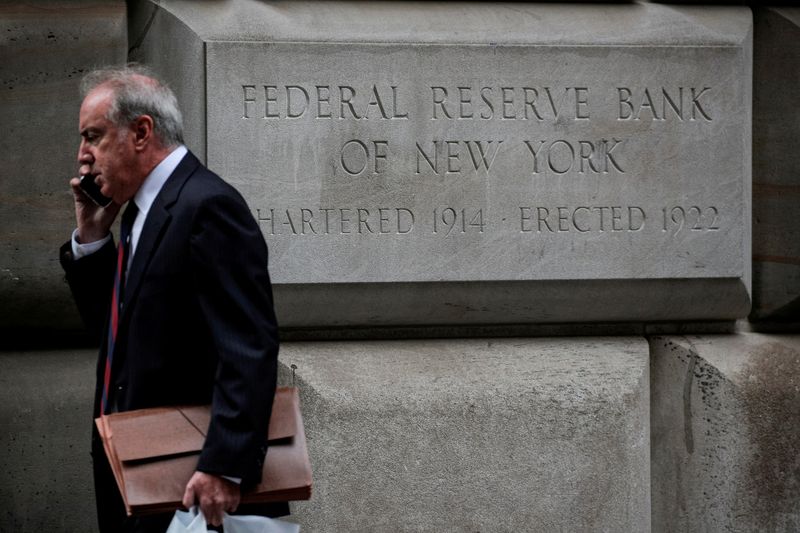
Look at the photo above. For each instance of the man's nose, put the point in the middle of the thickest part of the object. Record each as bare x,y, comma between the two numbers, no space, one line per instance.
84,154
85,159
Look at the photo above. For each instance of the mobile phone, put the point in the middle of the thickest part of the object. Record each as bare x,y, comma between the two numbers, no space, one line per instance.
92,190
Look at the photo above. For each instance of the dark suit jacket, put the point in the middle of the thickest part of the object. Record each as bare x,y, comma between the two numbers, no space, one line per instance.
198,324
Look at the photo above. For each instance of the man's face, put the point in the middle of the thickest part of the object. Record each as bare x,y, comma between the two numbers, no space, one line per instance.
107,151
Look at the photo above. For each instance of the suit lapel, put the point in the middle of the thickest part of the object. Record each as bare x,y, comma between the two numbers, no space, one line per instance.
155,225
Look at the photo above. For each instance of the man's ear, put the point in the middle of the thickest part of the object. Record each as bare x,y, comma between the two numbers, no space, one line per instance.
142,132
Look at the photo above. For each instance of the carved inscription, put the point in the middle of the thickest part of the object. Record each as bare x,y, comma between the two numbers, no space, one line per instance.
679,218
558,156
561,156
542,104
510,103
583,219
436,163
321,102
446,220
679,103
451,156
447,157
336,221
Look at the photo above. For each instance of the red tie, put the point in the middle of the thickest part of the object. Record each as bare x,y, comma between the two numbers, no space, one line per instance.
123,251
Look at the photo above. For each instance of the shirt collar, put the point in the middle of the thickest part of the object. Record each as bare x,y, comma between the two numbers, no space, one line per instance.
154,181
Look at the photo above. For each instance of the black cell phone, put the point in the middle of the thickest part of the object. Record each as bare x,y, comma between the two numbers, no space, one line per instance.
92,190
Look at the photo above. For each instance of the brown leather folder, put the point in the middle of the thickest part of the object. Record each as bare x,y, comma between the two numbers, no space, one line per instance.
153,453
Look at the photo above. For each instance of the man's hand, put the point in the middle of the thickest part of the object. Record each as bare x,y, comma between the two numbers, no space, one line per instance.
214,494
94,222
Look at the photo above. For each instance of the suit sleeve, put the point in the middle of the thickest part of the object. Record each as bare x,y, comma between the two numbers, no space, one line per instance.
91,279
231,281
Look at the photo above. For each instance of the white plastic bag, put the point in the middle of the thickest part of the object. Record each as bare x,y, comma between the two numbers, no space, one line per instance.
191,521
256,524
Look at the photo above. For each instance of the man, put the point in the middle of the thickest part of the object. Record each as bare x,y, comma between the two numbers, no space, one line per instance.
184,307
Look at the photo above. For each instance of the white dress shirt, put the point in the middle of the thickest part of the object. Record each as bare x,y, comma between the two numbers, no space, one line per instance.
144,199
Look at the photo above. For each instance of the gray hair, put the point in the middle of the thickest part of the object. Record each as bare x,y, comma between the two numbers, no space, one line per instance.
136,92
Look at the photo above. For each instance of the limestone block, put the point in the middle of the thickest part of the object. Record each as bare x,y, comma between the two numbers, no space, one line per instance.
46,420
499,435
45,47
776,166
391,154
725,423
176,52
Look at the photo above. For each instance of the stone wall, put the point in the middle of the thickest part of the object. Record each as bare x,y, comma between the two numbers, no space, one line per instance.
45,48
463,202
776,168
